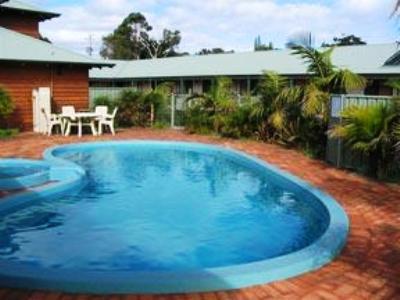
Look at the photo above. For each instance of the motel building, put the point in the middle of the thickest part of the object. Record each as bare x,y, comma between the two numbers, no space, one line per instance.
30,65
195,74
39,75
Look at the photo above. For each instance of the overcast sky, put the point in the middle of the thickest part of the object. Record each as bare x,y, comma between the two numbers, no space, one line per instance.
230,24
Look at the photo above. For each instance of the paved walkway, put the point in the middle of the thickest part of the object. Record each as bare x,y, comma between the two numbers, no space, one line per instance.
369,267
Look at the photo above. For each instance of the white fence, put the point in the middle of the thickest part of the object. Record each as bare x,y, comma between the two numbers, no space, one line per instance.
111,92
340,102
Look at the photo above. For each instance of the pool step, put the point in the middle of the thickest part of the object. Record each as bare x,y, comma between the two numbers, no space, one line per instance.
19,174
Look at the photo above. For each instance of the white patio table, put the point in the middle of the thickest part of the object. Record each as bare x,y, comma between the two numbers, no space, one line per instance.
79,116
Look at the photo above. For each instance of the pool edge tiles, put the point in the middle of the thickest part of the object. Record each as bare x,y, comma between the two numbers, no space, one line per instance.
318,254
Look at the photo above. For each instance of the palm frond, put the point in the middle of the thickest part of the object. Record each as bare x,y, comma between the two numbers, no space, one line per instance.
318,62
278,120
272,84
396,8
394,83
364,128
314,100
346,80
290,94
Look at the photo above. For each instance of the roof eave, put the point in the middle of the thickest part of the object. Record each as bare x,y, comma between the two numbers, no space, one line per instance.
43,15
92,65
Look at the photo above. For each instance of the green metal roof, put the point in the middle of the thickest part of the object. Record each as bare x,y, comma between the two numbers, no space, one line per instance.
22,6
365,60
15,46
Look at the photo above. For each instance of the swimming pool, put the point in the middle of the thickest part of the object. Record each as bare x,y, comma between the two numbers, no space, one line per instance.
165,217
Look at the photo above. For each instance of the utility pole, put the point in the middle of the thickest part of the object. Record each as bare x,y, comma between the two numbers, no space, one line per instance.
90,49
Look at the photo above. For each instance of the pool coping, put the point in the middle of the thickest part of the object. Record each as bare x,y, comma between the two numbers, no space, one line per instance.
313,257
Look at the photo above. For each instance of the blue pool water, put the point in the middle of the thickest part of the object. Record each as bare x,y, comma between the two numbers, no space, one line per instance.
160,208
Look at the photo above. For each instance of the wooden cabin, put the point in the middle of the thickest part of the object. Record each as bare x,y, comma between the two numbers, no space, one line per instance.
27,62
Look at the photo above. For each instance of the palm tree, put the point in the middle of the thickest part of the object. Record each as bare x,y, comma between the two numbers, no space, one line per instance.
209,111
278,110
371,131
326,80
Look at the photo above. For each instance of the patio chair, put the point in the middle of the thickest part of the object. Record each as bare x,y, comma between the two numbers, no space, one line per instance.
108,120
68,114
101,110
52,120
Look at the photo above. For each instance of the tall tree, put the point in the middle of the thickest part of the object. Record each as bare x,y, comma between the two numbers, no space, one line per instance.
260,46
206,51
164,47
347,40
132,40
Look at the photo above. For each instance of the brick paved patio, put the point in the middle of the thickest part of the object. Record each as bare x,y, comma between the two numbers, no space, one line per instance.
369,267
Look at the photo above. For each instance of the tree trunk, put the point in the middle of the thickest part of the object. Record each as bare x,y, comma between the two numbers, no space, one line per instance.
152,114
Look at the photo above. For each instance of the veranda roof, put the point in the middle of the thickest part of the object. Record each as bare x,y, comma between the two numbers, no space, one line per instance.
364,60
15,47
22,6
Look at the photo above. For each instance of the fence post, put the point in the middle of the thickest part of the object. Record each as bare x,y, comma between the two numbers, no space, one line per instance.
173,110
340,142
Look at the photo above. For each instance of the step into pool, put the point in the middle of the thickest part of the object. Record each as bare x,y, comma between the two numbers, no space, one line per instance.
16,174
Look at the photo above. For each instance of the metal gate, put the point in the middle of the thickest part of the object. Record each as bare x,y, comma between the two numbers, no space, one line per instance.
178,108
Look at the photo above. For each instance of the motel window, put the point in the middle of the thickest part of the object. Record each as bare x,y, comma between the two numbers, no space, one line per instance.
378,88
143,85
207,84
122,84
188,87
100,84
254,86
240,86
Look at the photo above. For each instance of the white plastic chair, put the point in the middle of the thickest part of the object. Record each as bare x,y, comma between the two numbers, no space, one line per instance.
52,120
101,110
68,113
108,120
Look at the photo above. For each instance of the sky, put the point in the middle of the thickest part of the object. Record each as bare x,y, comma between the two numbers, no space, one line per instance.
229,24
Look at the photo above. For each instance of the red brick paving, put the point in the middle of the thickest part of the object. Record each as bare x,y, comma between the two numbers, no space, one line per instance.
368,268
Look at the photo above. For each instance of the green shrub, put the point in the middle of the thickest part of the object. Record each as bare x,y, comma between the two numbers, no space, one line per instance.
210,112
141,108
156,103
161,125
6,104
240,123
198,120
104,100
131,108
8,133
372,133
